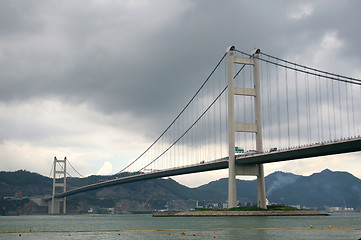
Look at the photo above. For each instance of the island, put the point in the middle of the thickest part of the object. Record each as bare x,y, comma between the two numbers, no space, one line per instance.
272,210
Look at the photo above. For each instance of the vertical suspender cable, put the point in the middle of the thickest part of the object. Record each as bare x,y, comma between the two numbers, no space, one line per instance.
251,80
252,104
358,128
174,149
209,128
180,155
321,109
269,108
308,112
189,140
263,105
297,110
278,107
206,128
353,111
347,110
226,108
340,109
328,112
202,131
220,117
317,112
288,113
193,147
214,125
333,110
244,109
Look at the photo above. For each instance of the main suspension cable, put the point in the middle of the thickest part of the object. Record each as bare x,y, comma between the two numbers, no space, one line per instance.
335,78
74,169
64,170
186,130
312,69
195,122
51,171
190,101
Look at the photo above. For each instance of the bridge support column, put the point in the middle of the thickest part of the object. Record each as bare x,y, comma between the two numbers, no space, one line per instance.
233,127
261,188
232,192
255,170
54,206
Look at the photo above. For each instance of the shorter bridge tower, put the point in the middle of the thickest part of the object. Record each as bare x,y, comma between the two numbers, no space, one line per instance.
59,182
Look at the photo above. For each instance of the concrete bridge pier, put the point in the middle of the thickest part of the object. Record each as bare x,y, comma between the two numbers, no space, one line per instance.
261,188
56,206
253,170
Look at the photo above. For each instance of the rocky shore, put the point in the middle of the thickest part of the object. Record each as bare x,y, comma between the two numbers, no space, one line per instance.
239,213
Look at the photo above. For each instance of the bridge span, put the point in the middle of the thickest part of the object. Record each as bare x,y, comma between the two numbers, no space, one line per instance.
294,106
310,151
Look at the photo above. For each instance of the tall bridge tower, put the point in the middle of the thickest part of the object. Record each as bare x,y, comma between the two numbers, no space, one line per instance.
55,203
233,127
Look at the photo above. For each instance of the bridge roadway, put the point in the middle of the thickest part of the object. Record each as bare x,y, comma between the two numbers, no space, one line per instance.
309,151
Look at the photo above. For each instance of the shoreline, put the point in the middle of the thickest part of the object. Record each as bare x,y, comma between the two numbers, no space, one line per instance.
239,213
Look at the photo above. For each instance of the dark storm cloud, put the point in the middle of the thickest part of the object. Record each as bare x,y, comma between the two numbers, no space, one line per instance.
147,60
99,80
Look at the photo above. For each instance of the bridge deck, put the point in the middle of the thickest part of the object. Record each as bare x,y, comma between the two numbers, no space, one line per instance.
316,150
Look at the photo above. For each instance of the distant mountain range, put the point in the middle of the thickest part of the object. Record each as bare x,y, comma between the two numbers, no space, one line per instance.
327,188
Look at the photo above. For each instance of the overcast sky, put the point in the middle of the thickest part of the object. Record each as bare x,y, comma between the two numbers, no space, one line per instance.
97,81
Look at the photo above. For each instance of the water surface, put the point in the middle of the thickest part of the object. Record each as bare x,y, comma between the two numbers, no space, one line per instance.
343,226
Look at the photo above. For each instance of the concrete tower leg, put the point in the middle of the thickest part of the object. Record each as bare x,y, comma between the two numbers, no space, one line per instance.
54,206
232,192
261,188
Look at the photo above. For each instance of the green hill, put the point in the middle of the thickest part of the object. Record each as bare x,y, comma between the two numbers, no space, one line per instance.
322,189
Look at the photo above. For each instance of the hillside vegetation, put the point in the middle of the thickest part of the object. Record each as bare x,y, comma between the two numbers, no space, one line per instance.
326,188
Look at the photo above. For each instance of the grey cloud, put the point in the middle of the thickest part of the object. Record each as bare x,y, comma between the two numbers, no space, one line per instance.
127,59
135,64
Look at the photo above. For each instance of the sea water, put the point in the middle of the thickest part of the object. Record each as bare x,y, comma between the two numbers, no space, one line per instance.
72,227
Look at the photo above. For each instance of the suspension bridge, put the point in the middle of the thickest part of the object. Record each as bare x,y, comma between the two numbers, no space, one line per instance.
252,109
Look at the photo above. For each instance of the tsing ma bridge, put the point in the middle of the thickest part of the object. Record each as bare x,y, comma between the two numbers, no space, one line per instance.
252,109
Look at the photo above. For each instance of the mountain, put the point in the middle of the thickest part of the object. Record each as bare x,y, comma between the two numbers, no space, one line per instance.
326,188
218,191
30,184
